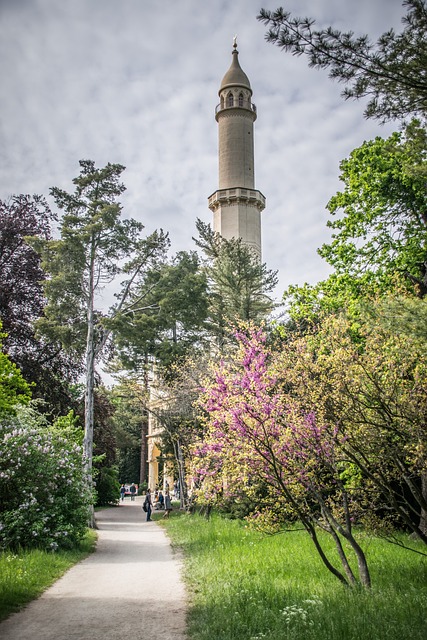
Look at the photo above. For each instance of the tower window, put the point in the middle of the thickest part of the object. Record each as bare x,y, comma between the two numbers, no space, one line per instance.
230,100
240,99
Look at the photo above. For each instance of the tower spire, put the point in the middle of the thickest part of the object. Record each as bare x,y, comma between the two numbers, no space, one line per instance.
237,205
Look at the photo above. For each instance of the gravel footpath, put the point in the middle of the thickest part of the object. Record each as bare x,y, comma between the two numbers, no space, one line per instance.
129,589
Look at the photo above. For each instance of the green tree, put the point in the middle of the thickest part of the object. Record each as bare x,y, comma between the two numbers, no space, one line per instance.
167,315
130,421
379,243
391,72
22,300
238,284
367,380
384,202
14,390
94,249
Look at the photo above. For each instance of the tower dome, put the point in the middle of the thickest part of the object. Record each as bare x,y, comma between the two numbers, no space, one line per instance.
235,76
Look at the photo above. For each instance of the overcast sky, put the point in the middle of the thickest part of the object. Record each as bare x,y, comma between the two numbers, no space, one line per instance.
136,82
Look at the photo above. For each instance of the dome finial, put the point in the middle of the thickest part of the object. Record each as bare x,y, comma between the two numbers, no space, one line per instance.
235,42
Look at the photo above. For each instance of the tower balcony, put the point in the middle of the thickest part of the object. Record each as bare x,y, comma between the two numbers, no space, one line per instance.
237,104
236,195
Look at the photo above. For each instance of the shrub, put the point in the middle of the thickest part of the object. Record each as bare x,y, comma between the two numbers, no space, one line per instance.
44,492
107,486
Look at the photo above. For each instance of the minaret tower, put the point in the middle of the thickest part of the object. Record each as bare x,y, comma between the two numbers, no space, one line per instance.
237,205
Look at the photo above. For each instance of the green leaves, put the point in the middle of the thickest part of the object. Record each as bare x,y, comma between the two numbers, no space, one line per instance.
384,228
239,285
391,72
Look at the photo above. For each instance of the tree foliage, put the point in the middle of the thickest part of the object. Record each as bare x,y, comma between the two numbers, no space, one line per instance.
167,317
369,380
384,226
14,390
41,361
130,422
379,241
391,73
95,248
239,286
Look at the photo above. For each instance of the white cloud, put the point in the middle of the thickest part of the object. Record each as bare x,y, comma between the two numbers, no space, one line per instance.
136,82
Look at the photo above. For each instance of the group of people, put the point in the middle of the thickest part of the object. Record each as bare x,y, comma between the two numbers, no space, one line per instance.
133,490
161,502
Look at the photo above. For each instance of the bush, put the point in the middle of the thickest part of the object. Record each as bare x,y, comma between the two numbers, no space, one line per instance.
43,489
107,486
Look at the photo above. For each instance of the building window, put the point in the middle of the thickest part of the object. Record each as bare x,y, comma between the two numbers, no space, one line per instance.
240,99
230,100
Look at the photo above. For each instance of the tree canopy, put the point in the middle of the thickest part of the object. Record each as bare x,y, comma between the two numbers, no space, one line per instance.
41,360
379,239
95,248
391,73
384,202
239,285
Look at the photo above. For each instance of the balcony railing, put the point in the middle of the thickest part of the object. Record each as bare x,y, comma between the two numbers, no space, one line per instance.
242,104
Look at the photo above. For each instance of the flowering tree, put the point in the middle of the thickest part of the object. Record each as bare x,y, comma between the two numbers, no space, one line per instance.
43,491
254,430
369,378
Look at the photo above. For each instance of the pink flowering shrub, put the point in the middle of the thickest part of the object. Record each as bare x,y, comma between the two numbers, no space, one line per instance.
44,494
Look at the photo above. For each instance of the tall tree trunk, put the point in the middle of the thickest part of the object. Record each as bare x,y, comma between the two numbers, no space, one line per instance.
143,465
183,489
89,387
90,377
423,519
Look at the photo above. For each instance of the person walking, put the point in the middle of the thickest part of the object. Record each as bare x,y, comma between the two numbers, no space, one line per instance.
161,500
168,504
132,491
122,492
149,504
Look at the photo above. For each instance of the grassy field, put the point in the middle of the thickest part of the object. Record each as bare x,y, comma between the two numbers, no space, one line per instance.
25,575
246,586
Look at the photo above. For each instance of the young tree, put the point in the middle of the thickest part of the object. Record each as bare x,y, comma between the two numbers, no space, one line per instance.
391,73
367,377
238,284
95,248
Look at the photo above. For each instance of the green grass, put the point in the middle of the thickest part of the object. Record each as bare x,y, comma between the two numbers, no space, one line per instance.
26,574
246,586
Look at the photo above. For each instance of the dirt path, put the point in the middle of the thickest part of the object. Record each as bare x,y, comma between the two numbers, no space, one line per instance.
129,589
